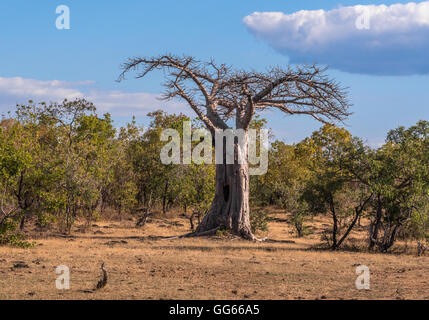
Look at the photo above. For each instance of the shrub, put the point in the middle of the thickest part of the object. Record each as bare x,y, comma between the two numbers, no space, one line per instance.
8,235
222,233
298,219
259,220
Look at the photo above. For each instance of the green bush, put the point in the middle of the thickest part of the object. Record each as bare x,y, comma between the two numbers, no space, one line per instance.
223,233
418,226
46,219
8,235
7,230
259,220
298,219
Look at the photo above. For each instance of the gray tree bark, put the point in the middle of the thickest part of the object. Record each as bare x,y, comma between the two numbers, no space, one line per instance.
230,206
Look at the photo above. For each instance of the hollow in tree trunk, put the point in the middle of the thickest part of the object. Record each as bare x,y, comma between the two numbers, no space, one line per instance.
230,206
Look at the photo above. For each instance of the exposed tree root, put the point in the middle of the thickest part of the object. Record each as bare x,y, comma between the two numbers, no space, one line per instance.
260,239
213,232
194,234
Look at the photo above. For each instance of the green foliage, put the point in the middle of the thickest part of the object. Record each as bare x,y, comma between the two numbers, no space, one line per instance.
418,225
190,185
299,218
331,189
61,162
401,181
223,233
17,240
7,231
259,220
46,219
8,235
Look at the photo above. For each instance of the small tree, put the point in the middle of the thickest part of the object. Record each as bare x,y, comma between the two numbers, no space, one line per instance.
16,164
68,149
26,170
333,189
400,180
155,181
120,187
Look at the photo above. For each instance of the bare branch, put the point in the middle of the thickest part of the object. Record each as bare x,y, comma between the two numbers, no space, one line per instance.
216,93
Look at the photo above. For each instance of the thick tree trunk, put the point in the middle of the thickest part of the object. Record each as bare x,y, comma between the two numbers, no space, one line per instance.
230,206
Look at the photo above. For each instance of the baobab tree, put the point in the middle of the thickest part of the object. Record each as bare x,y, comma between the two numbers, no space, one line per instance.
216,93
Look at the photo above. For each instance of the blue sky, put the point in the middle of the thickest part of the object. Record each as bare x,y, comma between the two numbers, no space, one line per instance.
86,58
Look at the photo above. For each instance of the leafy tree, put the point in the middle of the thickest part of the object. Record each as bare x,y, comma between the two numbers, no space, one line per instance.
120,188
400,180
26,173
66,146
333,189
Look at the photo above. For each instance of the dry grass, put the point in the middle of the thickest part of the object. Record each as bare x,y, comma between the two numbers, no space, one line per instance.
142,266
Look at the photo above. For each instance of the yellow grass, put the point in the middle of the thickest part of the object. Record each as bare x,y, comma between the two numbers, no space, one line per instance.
143,267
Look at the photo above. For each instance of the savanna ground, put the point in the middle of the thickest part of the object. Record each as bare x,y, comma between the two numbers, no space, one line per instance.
143,265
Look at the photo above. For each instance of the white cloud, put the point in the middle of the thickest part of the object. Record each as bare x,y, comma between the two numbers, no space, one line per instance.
37,89
135,103
20,90
371,39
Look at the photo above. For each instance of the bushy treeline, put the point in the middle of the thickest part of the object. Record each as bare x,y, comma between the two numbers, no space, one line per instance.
336,174
61,161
